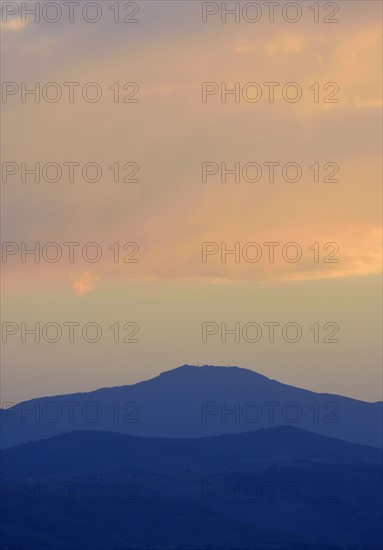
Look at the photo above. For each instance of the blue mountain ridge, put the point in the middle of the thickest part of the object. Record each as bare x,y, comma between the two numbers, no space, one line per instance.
192,402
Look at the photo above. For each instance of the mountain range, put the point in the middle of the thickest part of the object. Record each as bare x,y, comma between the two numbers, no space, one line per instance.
190,402
278,488
197,458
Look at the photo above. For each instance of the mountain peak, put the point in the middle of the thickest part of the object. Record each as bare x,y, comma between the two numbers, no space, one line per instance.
195,401
213,369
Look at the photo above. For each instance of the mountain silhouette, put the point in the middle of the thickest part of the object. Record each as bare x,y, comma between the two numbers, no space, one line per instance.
90,451
278,488
193,402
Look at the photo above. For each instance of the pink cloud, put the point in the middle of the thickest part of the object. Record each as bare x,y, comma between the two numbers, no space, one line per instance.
85,283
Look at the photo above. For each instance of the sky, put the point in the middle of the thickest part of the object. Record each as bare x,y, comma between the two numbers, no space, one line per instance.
182,259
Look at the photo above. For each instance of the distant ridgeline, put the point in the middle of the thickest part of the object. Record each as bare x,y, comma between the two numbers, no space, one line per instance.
195,402
277,488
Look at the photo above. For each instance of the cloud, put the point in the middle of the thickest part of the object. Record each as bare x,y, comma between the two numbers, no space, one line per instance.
13,25
170,212
85,283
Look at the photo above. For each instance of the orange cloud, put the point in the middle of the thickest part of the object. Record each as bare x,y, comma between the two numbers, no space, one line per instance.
172,212
85,283
13,25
